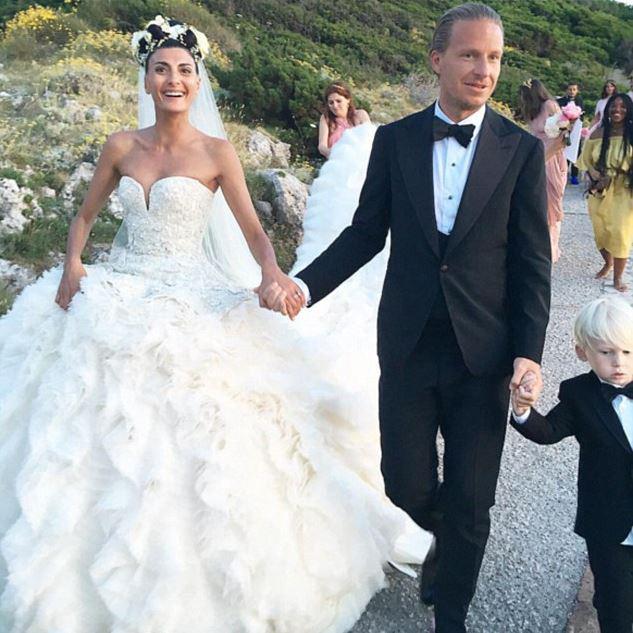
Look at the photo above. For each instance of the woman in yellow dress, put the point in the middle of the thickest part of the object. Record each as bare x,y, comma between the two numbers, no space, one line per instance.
608,159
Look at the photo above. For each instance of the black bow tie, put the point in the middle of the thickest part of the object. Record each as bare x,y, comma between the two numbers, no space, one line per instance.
610,392
461,133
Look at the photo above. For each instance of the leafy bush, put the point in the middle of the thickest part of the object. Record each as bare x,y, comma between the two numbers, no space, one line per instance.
6,299
41,239
13,174
39,31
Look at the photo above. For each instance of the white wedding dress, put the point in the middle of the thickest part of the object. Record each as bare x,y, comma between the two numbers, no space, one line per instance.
174,458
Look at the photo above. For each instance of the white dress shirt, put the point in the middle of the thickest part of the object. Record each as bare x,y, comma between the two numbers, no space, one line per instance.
623,408
451,165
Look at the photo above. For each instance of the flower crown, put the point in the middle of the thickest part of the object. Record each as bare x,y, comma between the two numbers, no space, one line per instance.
162,29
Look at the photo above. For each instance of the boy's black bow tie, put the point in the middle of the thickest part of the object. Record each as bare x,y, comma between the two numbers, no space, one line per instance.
461,133
610,392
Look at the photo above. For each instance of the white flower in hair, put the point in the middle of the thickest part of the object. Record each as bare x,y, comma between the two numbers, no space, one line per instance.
159,20
177,30
136,39
161,29
203,42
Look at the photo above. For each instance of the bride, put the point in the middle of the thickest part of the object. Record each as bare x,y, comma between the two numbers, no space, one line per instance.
172,457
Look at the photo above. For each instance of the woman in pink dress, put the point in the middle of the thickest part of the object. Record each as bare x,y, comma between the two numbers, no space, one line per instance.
537,105
339,114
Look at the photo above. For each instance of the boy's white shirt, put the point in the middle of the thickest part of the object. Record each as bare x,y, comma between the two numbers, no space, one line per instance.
623,408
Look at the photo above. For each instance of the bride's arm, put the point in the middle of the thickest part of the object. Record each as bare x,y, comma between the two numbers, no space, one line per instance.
103,182
277,290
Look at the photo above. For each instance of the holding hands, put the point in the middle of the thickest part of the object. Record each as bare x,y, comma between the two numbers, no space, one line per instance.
279,293
526,393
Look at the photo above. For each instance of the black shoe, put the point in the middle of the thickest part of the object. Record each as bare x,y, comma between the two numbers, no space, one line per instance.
428,574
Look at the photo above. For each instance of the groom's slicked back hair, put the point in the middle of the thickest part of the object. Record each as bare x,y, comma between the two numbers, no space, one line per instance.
469,11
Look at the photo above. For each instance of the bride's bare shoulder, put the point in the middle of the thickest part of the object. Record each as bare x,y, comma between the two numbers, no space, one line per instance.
217,148
124,141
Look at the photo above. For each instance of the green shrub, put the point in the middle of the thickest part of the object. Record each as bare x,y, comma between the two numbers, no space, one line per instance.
6,299
13,174
38,240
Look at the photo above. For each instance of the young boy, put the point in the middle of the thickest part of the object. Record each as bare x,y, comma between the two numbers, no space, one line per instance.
597,408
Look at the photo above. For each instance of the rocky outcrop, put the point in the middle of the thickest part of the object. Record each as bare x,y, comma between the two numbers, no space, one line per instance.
289,196
17,206
77,183
265,150
15,277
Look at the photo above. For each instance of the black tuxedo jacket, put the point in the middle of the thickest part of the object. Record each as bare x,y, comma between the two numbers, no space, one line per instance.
495,273
605,472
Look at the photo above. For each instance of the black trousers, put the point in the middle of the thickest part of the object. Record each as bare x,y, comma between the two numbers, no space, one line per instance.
612,567
433,390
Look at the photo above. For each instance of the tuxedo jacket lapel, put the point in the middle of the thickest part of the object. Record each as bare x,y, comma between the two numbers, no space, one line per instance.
495,149
415,155
610,419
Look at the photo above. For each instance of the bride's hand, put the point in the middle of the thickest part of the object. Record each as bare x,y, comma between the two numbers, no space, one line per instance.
69,284
279,293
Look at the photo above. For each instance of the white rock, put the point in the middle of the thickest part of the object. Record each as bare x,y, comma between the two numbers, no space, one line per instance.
264,209
115,207
48,192
83,174
14,276
32,204
3,77
93,113
12,207
267,150
290,196
73,111
5,95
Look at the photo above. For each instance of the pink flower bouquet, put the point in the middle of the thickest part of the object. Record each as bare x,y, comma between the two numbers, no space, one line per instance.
562,122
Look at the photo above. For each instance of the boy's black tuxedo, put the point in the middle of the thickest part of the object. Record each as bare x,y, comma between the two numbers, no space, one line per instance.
605,473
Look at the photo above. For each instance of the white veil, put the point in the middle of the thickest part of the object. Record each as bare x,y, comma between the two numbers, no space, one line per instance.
224,243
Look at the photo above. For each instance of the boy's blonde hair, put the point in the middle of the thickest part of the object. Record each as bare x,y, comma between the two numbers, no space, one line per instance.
608,320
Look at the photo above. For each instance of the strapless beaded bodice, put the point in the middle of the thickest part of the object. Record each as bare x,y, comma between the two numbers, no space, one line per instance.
172,222
161,239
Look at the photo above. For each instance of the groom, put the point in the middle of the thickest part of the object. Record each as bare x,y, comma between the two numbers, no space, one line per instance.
465,302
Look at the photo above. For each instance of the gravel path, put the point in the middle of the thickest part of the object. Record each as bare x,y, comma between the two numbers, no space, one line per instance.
534,562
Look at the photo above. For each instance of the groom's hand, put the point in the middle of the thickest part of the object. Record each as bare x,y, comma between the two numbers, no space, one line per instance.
279,293
521,367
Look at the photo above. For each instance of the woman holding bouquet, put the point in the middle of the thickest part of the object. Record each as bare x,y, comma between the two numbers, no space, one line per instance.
608,159
537,105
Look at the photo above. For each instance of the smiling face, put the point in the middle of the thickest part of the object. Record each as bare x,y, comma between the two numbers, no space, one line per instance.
609,362
172,80
617,111
338,104
469,67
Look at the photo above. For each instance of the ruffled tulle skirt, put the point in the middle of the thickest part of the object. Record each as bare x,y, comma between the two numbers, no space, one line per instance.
174,460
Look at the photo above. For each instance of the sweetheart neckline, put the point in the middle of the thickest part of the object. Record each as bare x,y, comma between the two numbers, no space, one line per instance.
147,197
